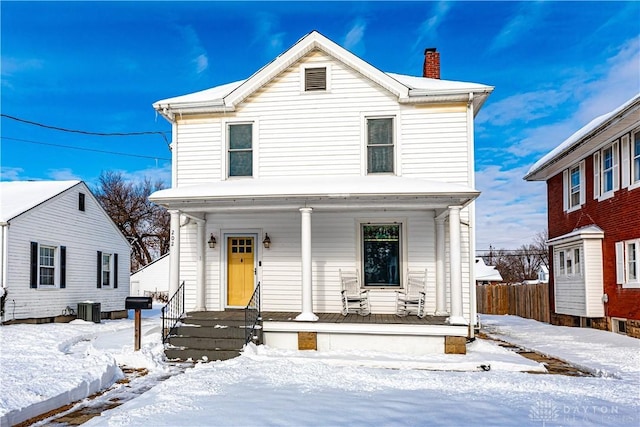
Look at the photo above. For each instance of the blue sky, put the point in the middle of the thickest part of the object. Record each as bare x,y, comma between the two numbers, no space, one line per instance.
98,67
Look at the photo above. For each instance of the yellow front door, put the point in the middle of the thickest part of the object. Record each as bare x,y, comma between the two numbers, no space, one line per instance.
240,270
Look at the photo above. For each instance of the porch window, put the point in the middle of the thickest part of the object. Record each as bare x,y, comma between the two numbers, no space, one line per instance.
381,254
569,262
380,145
240,149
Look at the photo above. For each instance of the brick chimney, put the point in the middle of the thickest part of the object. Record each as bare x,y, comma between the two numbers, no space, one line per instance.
431,67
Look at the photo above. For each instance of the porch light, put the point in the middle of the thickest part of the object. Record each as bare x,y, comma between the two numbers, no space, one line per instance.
267,241
212,241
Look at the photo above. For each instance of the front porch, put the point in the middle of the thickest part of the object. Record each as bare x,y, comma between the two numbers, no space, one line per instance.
331,332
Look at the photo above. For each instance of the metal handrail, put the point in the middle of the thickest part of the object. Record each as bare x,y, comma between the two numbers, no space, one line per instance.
172,313
252,314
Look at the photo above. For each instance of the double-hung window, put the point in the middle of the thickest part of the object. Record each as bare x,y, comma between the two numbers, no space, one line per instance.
635,159
606,174
107,272
380,145
48,266
574,188
381,254
240,154
628,263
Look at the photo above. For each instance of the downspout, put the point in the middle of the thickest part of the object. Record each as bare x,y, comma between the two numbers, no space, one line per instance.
3,253
473,307
174,154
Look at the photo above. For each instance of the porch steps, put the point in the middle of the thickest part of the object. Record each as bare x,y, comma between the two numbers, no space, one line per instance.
209,336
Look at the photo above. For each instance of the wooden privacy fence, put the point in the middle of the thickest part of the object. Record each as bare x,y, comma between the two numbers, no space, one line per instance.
529,301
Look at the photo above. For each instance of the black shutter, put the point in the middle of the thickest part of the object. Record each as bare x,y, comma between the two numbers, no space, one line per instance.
99,281
34,265
63,266
115,271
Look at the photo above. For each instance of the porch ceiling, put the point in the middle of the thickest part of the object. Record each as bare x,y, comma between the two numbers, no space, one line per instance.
318,192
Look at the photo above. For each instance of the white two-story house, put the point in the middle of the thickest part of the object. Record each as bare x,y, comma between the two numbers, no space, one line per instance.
316,163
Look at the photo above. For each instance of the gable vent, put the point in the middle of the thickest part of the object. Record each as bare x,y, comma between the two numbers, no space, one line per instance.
315,79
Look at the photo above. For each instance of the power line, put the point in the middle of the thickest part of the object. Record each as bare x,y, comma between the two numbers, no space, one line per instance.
84,149
84,132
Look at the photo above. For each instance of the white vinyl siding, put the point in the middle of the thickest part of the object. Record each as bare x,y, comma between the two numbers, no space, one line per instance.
578,278
59,223
334,246
322,133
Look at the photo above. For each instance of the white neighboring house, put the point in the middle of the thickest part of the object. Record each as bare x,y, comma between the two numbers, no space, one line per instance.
59,248
152,278
343,166
486,274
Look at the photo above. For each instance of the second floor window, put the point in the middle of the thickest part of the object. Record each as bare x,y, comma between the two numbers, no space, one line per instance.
606,174
574,191
240,149
573,183
380,145
635,154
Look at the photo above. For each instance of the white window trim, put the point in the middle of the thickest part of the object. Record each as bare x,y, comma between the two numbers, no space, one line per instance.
615,327
598,182
359,222
111,278
303,67
622,258
364,142
631,164
56,266
568,253
566,187
224,156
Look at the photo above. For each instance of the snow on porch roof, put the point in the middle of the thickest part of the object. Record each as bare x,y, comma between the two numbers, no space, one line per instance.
315,186
17,197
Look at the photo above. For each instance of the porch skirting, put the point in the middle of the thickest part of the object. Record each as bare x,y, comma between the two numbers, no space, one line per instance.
387,333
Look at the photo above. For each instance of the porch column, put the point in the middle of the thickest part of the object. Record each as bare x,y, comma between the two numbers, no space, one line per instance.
305,252
455,317
200,254
174,253
441,291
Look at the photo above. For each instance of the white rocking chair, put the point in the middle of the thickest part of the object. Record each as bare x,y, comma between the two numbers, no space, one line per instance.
411,300
354,299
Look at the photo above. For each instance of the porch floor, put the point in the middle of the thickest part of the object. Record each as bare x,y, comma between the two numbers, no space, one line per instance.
276,316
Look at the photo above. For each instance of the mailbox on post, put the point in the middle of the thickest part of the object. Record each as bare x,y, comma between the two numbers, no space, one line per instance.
137,304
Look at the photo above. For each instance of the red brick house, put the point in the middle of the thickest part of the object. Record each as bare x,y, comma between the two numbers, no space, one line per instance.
593,196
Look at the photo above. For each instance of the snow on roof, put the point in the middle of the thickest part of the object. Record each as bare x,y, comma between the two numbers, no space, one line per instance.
580,134
486,272
437,85
216,95
17,197
318,186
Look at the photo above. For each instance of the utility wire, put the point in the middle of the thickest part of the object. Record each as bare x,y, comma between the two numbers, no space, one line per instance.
18,119
83,149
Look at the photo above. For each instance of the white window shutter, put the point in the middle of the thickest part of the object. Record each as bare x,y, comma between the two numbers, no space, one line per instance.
616,166
565,190
583,183
620,263
626,164
596,175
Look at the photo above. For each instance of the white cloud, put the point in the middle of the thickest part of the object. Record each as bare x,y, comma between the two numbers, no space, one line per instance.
353,41
11,174
524,107
510,211
64,174
195,50
267,34
429,27
518,26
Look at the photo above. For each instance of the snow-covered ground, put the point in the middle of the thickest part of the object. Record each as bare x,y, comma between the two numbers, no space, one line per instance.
46,366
